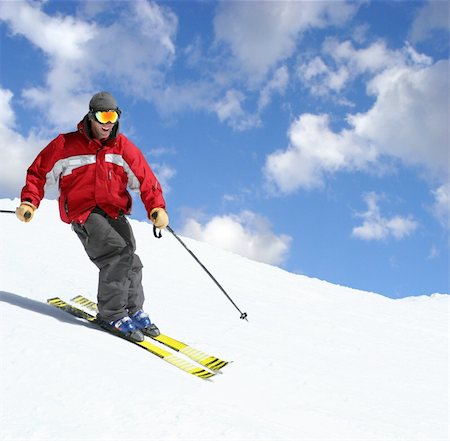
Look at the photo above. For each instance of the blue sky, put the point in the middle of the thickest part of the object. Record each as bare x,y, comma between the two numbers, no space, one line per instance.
308,135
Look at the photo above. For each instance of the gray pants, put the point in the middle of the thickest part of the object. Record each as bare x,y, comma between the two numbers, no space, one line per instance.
110,244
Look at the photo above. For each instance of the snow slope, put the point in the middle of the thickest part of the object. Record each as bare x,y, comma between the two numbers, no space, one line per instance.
315,361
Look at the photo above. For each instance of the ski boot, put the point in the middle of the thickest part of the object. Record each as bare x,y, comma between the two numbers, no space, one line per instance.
127,327
141,321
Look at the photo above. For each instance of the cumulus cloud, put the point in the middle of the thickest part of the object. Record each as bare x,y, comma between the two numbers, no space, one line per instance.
341,62
260,37
230,109
408,121
315,151
258,41
377,227
16,150
62,40
62,37
247,234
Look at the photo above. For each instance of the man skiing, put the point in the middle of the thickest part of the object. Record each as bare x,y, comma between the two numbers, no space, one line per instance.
94,166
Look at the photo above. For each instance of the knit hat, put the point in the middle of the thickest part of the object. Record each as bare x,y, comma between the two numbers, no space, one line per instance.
103,101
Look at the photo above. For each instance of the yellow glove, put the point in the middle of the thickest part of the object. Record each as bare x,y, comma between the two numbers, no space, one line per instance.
159,218
25,212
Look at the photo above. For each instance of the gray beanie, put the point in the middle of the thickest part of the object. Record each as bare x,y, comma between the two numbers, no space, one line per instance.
103,101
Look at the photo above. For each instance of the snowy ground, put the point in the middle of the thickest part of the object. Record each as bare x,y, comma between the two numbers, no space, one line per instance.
315,361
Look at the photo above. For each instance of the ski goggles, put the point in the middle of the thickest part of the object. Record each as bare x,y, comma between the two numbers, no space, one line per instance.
104,117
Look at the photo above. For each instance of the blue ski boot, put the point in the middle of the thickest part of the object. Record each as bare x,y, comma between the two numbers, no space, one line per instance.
127,327
141,320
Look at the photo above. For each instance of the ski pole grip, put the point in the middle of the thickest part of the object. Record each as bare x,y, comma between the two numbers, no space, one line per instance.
157,233
27,215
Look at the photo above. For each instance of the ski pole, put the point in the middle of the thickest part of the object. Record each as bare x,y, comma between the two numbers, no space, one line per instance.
243,314
26,215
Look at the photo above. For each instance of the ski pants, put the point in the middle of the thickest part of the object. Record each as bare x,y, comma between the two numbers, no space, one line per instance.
110,244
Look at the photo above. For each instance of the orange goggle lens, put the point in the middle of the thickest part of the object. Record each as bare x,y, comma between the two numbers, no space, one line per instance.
111,116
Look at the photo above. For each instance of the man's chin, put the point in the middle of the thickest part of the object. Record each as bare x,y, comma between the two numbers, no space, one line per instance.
104,136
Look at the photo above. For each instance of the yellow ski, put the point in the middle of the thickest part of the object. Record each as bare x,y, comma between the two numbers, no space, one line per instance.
161,353
209,361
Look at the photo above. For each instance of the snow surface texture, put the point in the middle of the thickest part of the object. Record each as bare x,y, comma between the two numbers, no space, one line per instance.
315,361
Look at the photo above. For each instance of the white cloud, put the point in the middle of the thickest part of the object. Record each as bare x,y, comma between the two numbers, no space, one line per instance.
7,116
408,121
275,85
377,227
314,151
321,79
229,109
16,151
247,234
434,15
260,37
58,36
372,58
157,23
441,206
62,40
340,63
230,105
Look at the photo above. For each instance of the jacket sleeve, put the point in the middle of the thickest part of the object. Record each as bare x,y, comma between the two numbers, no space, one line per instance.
143,178
40,172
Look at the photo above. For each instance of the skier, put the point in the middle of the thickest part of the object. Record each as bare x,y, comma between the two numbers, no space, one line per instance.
93,166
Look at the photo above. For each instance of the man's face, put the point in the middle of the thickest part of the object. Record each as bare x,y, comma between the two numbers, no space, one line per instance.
101,131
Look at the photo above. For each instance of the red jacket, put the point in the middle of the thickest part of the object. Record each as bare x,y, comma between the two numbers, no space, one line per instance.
91,174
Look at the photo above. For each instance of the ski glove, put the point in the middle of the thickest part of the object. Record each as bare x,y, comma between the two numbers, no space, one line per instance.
25,212
159,218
